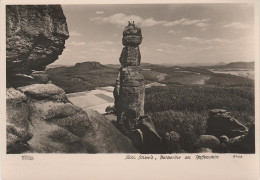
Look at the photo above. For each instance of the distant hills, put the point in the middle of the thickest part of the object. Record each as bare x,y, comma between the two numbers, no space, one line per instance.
232,65
83,76
247,65
90,75
220,65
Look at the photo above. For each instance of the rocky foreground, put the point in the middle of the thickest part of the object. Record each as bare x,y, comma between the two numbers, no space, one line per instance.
40,119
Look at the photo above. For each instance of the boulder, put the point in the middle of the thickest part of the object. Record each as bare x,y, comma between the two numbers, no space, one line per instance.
243,143
204,150
64,115
137,138
220,123
103,137
151,141
35,37
43,120
44,91
172,140
53,126
50,138
208,142
249,141
17,110
223,139
17,139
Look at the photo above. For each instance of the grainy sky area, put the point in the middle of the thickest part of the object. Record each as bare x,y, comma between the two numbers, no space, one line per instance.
172,33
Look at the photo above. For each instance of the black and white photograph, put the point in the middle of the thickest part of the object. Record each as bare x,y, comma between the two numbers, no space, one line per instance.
154,78
117,85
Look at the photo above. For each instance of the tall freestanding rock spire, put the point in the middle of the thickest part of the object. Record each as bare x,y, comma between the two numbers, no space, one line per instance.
130,88
129,95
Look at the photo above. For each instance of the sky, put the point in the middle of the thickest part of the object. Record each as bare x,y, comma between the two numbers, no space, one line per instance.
172,33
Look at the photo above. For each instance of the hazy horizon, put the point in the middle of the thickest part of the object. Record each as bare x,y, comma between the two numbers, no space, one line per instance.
172,33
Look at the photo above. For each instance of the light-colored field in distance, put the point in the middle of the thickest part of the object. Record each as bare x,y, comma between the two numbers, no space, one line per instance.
248,73
97,99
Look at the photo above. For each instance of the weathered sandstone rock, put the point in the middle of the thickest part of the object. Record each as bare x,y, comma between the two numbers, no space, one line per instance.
17,110
17,138
130,56
129,93
44,91
151,141
104,137
204,150
40,117
131,97
208,142
35,37
130,88
220,123
43,113
243,143
132,35
172,141
42,120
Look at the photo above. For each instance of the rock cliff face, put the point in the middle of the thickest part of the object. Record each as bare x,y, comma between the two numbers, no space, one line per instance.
40,118
35,37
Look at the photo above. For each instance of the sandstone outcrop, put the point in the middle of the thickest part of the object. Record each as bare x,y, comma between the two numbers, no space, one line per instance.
129,93
40,118
172,141
208,142
43,116
35,37
44,91
148,140
220,123
103,137
234,137
17,139
241,144
130,88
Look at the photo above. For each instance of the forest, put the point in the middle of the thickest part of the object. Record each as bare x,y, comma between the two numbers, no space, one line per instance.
184,108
